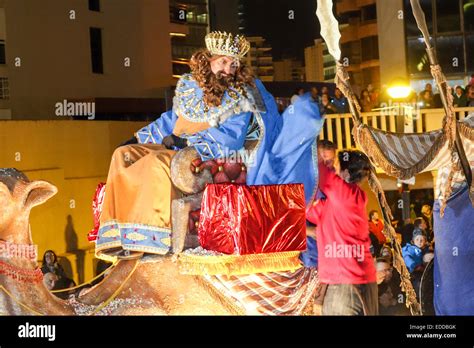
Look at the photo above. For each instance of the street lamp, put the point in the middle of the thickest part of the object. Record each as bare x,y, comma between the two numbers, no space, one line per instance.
399,89
399,92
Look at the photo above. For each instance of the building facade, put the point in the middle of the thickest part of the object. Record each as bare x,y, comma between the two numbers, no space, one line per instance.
84,50
359,40
288,70
259,58
225,15
190,24
320,66
451,25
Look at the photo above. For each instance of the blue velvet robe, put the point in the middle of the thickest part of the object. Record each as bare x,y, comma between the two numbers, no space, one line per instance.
286,151
454,256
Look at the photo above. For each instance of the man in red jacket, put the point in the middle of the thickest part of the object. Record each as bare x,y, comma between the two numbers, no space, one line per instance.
345,261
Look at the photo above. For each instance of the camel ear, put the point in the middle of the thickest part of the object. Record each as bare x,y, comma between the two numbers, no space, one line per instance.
38,192
4,193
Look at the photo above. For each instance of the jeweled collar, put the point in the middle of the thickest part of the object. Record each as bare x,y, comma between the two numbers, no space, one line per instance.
189,102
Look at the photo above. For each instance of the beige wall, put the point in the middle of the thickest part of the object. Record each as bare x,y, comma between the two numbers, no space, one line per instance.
392,47
74,156
313,56
55,52
282,70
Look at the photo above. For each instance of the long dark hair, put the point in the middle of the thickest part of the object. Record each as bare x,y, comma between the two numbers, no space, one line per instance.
357,164
214,86
44,257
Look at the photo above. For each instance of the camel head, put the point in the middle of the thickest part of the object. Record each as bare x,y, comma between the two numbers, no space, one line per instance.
17,196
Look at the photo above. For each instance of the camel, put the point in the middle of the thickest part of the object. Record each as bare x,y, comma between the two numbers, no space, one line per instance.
151,285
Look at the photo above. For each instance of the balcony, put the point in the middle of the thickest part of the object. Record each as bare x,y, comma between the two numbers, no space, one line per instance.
367,28
362,3
359,30
346,6
178,29
367,64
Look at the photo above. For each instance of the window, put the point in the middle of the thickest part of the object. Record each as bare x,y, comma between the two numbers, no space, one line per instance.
96,50
351,50
370,48
178,14
411,27
450,53
2,52
470,53
94,5
369,13
468,10
448,17
418,62
4,88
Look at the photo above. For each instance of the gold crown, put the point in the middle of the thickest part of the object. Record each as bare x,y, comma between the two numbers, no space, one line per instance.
223,44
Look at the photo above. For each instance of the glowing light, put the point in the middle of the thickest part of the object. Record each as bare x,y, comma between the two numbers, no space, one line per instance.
178,34
399,92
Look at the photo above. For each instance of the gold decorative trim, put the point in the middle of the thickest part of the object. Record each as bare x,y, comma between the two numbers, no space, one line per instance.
238,264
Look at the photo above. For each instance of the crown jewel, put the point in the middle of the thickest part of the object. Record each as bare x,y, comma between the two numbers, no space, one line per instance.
224,44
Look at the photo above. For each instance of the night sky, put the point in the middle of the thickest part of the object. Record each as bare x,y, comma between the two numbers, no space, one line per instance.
269,18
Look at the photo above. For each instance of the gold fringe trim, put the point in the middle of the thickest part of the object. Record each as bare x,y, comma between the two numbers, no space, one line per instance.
225,301
238,264
398,262
466,131
371,147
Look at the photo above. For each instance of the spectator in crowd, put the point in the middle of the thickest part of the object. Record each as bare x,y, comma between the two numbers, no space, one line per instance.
427,215
376,232
376,226
413,252
324,90
429,88
315,94
51,265
365,101
326,106
387,252
391,297
459,97
49,280
471,82
470,95
416,257
426,100
421,224
375,97
340,102
61,280
298,93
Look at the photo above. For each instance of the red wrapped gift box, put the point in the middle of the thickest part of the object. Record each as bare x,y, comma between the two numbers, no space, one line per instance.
240,219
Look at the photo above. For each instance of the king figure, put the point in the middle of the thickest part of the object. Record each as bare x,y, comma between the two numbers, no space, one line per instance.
220,109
